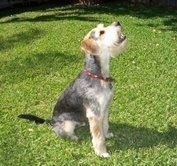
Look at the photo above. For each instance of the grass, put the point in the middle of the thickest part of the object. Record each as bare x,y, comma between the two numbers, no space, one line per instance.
40,54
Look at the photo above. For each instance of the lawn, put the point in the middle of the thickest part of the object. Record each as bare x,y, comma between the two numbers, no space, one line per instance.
40,54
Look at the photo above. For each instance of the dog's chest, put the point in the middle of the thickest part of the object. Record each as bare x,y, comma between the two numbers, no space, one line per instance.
104,96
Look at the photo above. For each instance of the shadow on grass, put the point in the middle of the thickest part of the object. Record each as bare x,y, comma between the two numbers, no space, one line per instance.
24,38
41,64
58,13
128,137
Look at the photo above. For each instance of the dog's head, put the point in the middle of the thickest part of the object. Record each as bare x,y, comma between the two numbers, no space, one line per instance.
100,40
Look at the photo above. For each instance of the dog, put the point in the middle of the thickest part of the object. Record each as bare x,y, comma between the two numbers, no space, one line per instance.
88,97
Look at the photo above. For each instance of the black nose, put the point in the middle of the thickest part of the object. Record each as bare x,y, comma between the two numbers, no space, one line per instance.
117,23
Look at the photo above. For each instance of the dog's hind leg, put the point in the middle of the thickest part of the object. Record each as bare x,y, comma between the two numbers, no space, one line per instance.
66,129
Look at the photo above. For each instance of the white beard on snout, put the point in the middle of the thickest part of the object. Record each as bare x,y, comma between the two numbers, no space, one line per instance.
115,51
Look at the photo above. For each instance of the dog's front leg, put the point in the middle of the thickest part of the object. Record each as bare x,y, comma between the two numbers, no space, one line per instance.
107,134
98,138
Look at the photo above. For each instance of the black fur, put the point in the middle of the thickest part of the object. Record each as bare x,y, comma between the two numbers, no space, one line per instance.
71,104
33,118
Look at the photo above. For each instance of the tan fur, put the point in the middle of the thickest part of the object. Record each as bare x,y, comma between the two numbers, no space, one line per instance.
89,46
68,127
98,138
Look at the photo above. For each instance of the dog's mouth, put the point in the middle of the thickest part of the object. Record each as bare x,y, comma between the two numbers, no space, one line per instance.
121,39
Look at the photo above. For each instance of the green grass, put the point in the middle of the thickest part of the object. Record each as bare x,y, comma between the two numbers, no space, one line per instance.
40,54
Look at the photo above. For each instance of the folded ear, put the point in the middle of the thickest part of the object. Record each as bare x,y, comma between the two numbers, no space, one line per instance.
89,46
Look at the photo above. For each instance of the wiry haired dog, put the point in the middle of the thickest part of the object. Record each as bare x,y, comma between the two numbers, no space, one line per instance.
87,98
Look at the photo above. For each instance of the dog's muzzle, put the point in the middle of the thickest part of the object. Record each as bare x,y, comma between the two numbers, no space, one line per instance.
121,38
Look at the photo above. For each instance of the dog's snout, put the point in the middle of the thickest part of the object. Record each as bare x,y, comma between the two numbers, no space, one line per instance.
117,23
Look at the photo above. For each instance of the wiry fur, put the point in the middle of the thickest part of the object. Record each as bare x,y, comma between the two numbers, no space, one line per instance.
87,98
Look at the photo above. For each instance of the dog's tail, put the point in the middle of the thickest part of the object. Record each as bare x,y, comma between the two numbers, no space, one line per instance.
33,118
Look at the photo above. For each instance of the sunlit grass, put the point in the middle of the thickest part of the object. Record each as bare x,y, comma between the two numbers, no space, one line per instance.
40,54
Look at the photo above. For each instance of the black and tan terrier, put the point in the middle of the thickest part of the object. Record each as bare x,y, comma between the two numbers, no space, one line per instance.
88,97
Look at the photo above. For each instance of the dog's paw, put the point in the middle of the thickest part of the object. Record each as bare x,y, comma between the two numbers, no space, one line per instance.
81,124
109,135
74,138
104,155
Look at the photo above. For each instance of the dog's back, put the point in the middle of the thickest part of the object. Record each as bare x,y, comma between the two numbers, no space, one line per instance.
70,109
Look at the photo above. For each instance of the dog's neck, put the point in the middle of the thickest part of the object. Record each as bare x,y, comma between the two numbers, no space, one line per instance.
98,65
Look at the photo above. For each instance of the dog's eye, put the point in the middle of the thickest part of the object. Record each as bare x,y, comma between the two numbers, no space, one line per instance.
102,32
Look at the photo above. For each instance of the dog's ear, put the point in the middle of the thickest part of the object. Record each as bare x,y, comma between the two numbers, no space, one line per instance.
89,46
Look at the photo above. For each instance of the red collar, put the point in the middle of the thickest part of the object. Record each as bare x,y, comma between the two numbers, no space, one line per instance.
107,79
